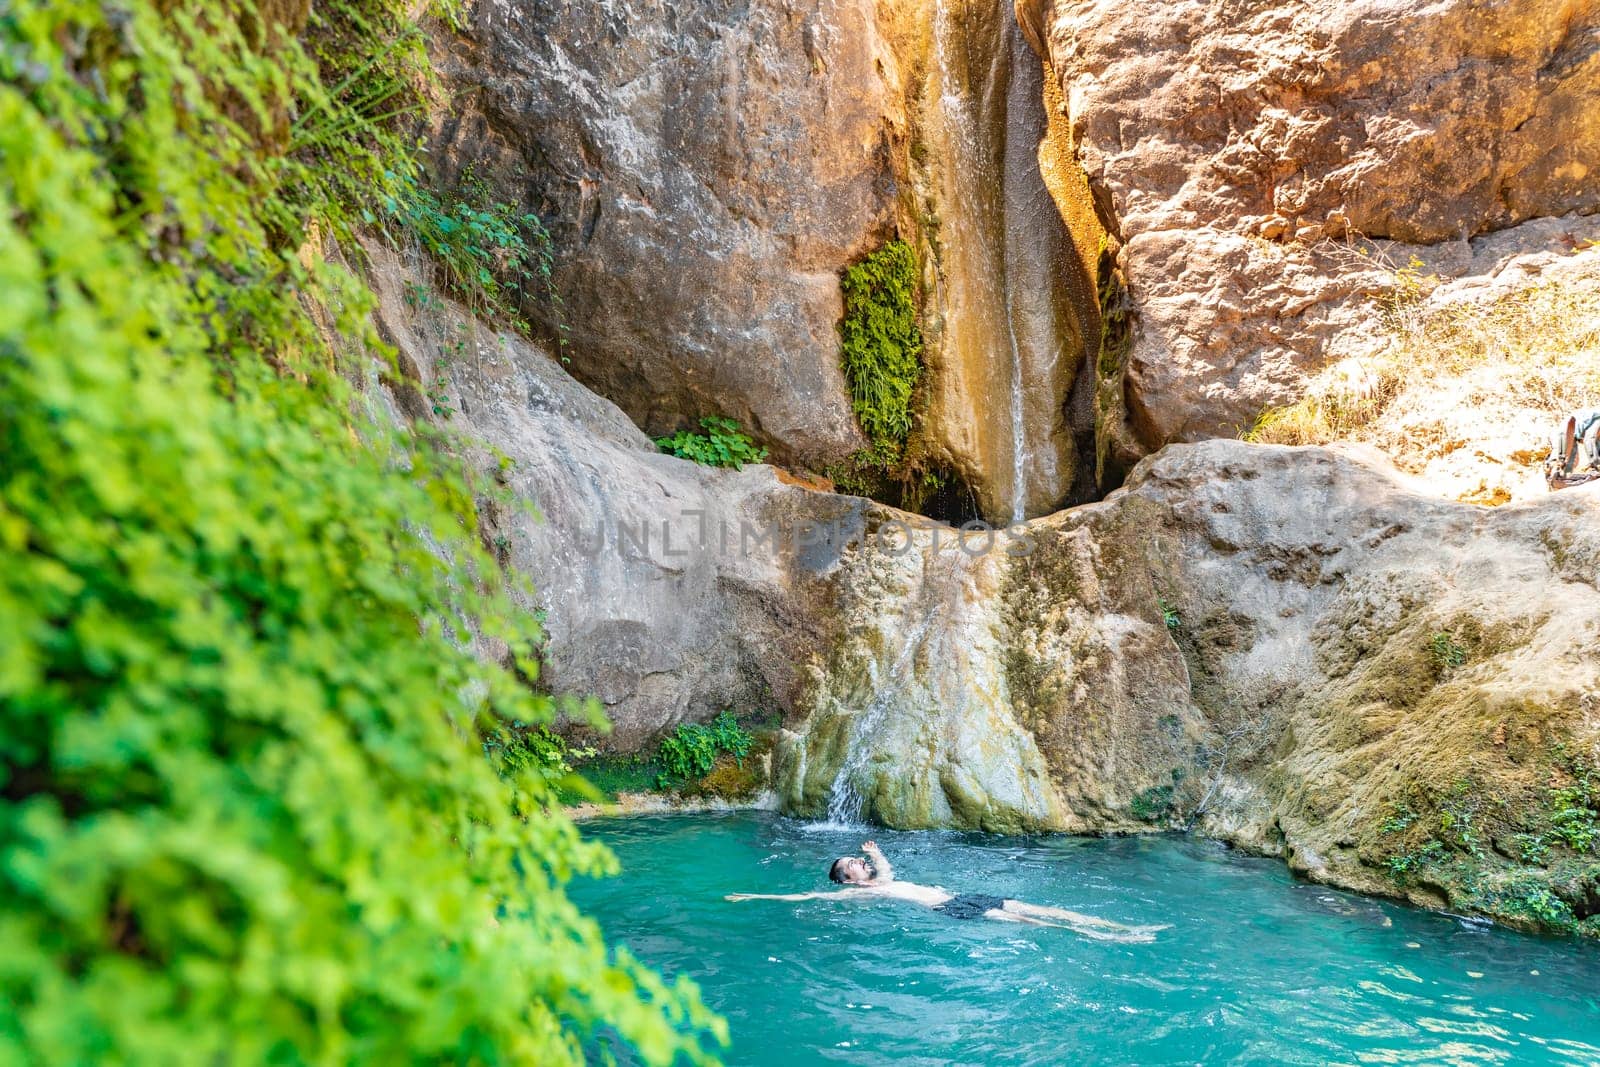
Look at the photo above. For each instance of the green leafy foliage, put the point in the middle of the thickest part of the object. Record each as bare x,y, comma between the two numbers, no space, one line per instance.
1522,856
1404,864
691,750
1573,808
882,345
1535,901
487,254
881,355
1573,818
1453,827
519,748
245,813
1433,831
869,472
1401,817
606,777
1446,652
1571,812
908,478
1169,615
1459,819
722,445
1533,848
1154,804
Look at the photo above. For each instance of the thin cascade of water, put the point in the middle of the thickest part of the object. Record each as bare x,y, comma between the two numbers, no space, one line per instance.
846,804
1019,455
984,195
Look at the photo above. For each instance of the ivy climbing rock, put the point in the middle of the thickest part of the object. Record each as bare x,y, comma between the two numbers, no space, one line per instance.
881,342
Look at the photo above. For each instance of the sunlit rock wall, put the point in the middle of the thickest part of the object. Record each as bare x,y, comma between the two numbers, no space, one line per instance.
1270,165
707,170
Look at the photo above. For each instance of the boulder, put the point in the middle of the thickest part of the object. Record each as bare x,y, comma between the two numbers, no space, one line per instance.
1270,167
706,170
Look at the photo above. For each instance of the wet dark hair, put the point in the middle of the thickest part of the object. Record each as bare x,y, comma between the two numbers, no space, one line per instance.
836,872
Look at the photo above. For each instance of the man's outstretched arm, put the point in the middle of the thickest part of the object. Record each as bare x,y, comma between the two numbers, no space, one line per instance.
787,896
882,872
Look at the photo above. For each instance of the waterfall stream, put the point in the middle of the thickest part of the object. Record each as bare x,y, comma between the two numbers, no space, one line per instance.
913,722
1012,344
913,725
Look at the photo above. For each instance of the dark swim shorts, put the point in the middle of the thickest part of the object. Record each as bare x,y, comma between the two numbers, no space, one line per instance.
970,905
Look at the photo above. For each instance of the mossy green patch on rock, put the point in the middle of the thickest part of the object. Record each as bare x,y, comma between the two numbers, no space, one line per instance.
737,778
1520,848
1154,804
1116,449
606,777
881,354
881,342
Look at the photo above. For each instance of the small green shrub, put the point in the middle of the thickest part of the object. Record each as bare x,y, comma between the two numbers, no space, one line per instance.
722,445
1533,900
1452,825
1404,864
1458,819
882,345
1169,615
1447,654
1153,805
1533,847
519,748
691,750
1401,816
1574,819
487,253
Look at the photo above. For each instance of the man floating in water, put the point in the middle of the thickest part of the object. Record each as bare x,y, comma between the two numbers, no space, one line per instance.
862,878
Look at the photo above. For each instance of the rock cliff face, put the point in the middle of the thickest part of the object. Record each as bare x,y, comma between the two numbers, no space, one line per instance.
1290,649
1286,648
707,169
1268,165
671,591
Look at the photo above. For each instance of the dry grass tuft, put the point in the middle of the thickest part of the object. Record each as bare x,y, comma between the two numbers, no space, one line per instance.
1480,380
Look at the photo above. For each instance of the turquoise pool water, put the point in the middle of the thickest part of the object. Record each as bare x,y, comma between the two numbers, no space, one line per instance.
1255,969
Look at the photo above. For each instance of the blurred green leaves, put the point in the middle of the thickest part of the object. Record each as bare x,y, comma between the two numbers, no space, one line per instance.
245,811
